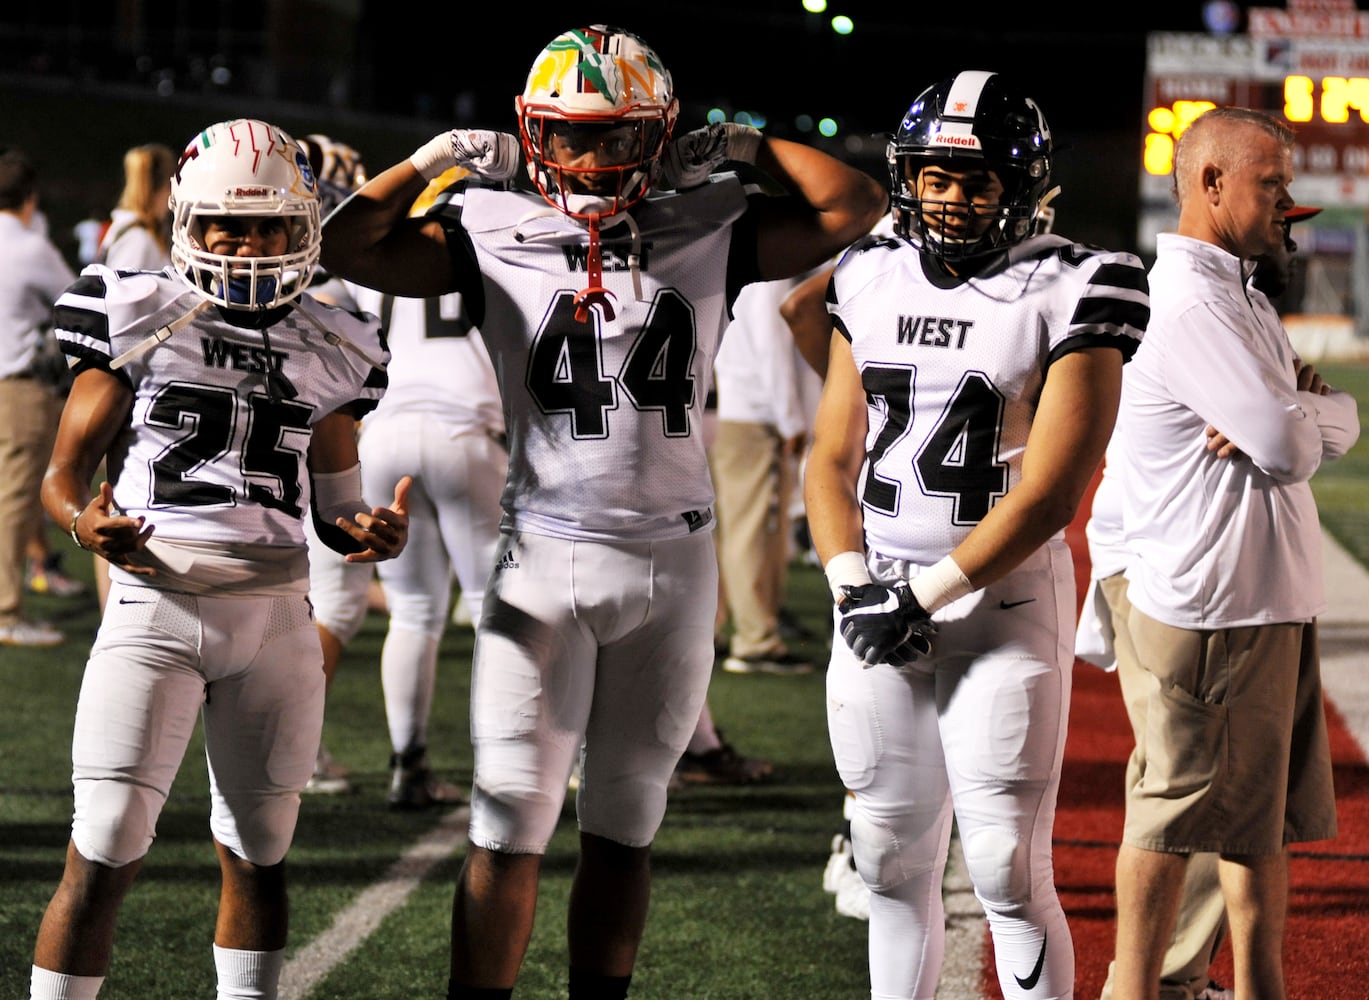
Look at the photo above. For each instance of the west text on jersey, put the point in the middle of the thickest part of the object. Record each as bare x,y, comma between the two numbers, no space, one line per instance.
615,256
240,357
933,331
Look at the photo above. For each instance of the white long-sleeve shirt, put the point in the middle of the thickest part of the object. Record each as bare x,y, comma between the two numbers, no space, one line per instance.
1214,542
757,370
33,274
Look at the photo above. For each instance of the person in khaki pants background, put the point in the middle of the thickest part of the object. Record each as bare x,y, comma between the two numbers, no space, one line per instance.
33,274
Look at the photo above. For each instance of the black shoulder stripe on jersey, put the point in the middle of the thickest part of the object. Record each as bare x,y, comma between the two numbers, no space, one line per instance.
81,359
1121,275
840,327
92,285
358,408
1084,341
87,323
743,252
1106,311
872,241
465,266
377,378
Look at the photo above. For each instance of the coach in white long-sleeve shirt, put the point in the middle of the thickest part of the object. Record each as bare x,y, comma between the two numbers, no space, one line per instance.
1225,575
1224,543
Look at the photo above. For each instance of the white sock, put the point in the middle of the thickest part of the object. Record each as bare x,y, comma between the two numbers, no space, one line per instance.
247,975
408,676
47,985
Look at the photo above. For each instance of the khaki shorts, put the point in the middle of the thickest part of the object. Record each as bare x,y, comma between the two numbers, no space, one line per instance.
1232,753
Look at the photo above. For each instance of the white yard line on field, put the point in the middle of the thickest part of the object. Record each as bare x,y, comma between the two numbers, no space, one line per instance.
308,967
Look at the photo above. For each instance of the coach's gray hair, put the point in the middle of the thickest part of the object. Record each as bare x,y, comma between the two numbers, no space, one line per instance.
1217,136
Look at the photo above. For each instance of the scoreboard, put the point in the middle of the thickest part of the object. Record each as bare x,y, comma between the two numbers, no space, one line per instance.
1307,66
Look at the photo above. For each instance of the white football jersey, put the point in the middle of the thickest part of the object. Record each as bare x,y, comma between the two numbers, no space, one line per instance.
953,371
438,362
604,417
208,454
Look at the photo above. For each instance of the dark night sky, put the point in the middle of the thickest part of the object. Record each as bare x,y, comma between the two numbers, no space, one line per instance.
770,56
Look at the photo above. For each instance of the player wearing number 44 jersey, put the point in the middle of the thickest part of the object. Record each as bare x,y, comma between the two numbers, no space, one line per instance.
972,385
222,399
597,635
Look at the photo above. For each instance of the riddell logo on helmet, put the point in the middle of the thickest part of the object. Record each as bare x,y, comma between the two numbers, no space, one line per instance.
251,192
958,140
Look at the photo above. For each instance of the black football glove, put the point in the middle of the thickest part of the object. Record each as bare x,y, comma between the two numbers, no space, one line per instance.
884,624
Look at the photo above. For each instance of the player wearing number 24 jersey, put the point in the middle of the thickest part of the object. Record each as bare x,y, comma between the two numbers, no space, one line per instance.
954,375
601,298
972,385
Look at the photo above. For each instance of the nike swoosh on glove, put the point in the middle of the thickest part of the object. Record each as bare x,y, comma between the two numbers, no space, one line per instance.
884,624
691,157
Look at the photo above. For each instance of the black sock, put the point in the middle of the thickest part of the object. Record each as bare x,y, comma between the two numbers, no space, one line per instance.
592,986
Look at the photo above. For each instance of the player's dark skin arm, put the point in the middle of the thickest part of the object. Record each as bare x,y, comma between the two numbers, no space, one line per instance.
96,408
834,205
371,240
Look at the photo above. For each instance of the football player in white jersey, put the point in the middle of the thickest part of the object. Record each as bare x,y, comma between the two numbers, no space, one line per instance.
442,421
971,387
596,639
223,398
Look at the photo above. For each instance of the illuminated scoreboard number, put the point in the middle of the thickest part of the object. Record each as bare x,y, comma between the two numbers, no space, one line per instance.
1340,95
1166,124
1329,112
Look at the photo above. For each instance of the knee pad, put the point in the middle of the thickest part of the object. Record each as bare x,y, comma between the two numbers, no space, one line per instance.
888,852
626,812
997,862
115,821
260,834
875,849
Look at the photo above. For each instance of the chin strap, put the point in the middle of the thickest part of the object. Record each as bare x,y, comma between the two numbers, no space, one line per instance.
158,335
164,333
335,341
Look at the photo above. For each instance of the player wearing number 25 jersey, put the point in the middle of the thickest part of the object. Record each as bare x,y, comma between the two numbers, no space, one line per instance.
972,386
222,400
601,302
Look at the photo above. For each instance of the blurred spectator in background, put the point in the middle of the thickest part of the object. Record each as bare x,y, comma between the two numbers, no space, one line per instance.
139,233
762,433
33,275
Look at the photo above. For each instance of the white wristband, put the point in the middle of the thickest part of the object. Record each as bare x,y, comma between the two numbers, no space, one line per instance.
338,494
940,584
743,142
846,569
434,156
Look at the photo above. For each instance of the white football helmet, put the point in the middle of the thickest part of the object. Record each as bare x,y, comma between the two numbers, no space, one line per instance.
247,168
602,88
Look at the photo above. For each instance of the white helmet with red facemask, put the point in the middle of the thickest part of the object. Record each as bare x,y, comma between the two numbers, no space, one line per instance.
594,117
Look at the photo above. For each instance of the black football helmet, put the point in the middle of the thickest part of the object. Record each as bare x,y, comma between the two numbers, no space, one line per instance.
973,119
